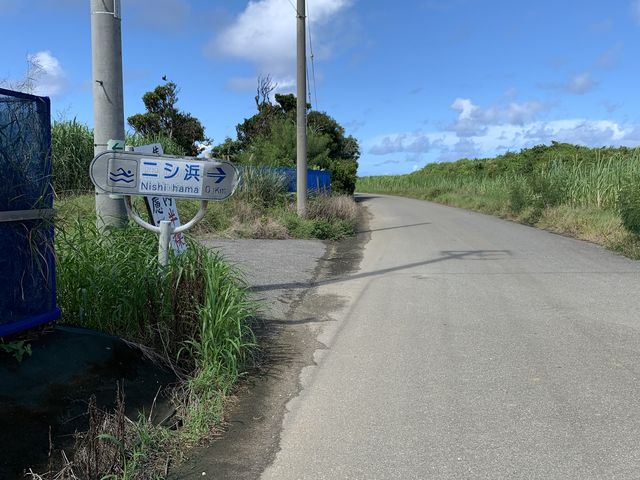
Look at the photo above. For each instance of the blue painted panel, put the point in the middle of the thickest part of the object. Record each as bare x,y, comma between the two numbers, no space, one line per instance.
27,262
317,180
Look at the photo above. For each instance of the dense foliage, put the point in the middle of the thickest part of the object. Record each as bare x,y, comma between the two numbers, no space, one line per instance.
195,314
163,118
269,138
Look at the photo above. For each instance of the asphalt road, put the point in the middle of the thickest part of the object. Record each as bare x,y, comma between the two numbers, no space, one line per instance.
470,347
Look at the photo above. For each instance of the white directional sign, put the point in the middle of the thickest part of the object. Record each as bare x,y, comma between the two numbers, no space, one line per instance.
131,173
171,177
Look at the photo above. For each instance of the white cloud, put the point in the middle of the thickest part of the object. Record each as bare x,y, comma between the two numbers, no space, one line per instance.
403,142
265,34
46,72
580,84
473,120
487,132
635,9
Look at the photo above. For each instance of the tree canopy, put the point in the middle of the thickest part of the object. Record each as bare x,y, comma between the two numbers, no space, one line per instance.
269,138
164,118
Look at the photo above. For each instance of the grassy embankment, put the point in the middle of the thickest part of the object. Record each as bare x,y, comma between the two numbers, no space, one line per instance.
260,209
194,316
591,194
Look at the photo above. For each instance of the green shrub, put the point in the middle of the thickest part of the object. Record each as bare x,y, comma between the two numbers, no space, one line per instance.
114,284
261,186
519,196
343,176
548,190
629,205
195,312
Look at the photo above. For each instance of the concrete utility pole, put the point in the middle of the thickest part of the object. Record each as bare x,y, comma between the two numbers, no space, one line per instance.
108,109
302,111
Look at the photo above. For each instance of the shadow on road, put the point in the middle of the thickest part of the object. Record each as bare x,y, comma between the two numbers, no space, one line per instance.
447,255
393,228
360,197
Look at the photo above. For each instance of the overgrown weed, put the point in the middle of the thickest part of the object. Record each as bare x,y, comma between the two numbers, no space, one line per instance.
195,313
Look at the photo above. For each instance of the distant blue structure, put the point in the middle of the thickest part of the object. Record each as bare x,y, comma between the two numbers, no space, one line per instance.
27,262
318,181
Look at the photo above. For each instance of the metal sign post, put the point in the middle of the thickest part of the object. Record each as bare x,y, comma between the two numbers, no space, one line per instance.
165,229
162,208
140,174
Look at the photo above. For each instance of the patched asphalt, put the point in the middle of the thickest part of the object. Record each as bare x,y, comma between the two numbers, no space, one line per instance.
282,274
471,347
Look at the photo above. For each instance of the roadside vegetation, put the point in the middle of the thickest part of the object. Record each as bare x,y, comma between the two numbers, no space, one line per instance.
591,194
261,208
253,212
194,317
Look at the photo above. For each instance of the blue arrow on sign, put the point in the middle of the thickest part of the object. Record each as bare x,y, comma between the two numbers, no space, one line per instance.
219,175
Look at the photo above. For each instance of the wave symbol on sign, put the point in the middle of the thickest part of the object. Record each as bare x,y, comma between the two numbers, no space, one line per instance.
121,175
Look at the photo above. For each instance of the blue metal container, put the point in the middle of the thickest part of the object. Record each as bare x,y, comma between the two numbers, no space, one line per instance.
27,261
318,181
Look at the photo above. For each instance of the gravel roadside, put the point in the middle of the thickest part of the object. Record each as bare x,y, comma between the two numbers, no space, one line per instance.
282,274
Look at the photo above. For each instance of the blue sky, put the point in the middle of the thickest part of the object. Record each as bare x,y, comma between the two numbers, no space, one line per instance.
415,81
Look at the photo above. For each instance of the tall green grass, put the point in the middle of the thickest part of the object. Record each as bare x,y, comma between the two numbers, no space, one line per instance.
114,284
194,315
73,150
72,145
528,184
595,181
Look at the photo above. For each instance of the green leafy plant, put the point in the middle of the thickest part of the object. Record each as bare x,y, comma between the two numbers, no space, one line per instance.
17,350
629,205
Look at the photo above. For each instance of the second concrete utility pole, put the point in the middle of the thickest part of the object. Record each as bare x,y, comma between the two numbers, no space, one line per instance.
301,120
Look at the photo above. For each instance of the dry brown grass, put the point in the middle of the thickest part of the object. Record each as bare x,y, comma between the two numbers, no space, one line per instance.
264,227
341,207
114,447
594,225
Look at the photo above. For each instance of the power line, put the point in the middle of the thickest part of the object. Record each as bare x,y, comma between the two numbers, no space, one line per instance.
313,66
308,84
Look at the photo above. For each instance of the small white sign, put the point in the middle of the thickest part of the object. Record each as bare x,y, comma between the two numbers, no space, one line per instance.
170,177
164,208
115,145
